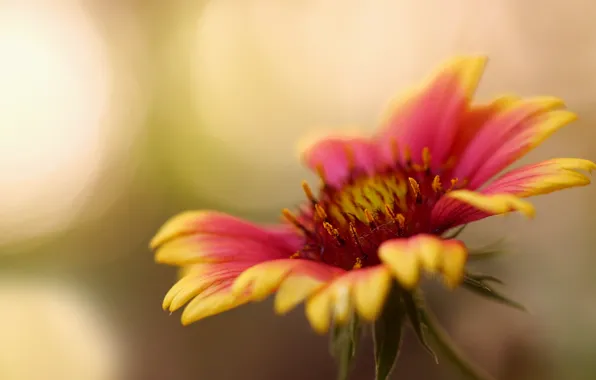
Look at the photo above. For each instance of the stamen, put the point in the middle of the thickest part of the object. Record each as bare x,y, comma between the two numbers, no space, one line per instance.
334,233
426,158
321,212
401,220
295,255
415,189
453,183
292,219
389,211
321,173
358,263
356,239
437,186
371,219
308,192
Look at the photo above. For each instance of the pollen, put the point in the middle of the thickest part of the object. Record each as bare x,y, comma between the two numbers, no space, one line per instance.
358,263
401,220
308,192
320,212
321,173
437,186
344,225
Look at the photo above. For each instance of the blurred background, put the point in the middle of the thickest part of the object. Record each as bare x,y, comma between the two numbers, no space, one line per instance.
117,114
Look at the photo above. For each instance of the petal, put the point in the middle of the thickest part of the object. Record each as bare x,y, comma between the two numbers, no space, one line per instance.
406,258
205,236
215,300
465,206
337,158
199,278
431,116
502,195
318,312
263,279
213,249
476,117
216,223
217,248
361,290
543,178
370,288
519,127
294,290
455,256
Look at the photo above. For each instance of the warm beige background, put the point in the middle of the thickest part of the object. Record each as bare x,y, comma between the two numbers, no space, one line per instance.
115,115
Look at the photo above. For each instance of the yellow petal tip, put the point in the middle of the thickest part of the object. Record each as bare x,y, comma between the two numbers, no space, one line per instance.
181,224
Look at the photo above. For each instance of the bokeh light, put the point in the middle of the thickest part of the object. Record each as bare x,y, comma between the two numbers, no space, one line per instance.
55,85
52,332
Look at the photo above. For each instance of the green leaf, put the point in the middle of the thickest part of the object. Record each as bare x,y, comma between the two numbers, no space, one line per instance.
387,335
413,312
443,342
488,252
479,286
343,345
484,278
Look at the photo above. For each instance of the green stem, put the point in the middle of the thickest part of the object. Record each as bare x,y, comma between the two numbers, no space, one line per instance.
446,345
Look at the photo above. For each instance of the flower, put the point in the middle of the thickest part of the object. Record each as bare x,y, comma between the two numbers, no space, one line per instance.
382,210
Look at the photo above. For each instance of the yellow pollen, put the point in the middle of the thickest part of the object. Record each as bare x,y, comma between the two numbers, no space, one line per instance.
389,211
289,216
292,219
369,216
353,232
295,255
358,263
453,183
401,220
437,187
321,172
426,158
321,212
308,192
414,186
330,230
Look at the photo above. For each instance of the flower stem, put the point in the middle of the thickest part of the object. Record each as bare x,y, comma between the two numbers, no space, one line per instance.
446,345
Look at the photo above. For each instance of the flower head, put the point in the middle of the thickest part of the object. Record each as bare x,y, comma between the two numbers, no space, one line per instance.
382,209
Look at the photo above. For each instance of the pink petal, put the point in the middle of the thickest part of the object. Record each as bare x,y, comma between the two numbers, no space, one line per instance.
205,236
542,178
507,136
530,180
338,158
475,119
431,117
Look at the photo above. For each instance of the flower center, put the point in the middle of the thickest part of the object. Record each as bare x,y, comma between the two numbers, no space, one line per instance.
345,226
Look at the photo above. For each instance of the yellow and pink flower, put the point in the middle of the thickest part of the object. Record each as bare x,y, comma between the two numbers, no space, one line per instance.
382,209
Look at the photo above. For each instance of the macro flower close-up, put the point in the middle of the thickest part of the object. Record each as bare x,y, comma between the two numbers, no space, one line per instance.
387,212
